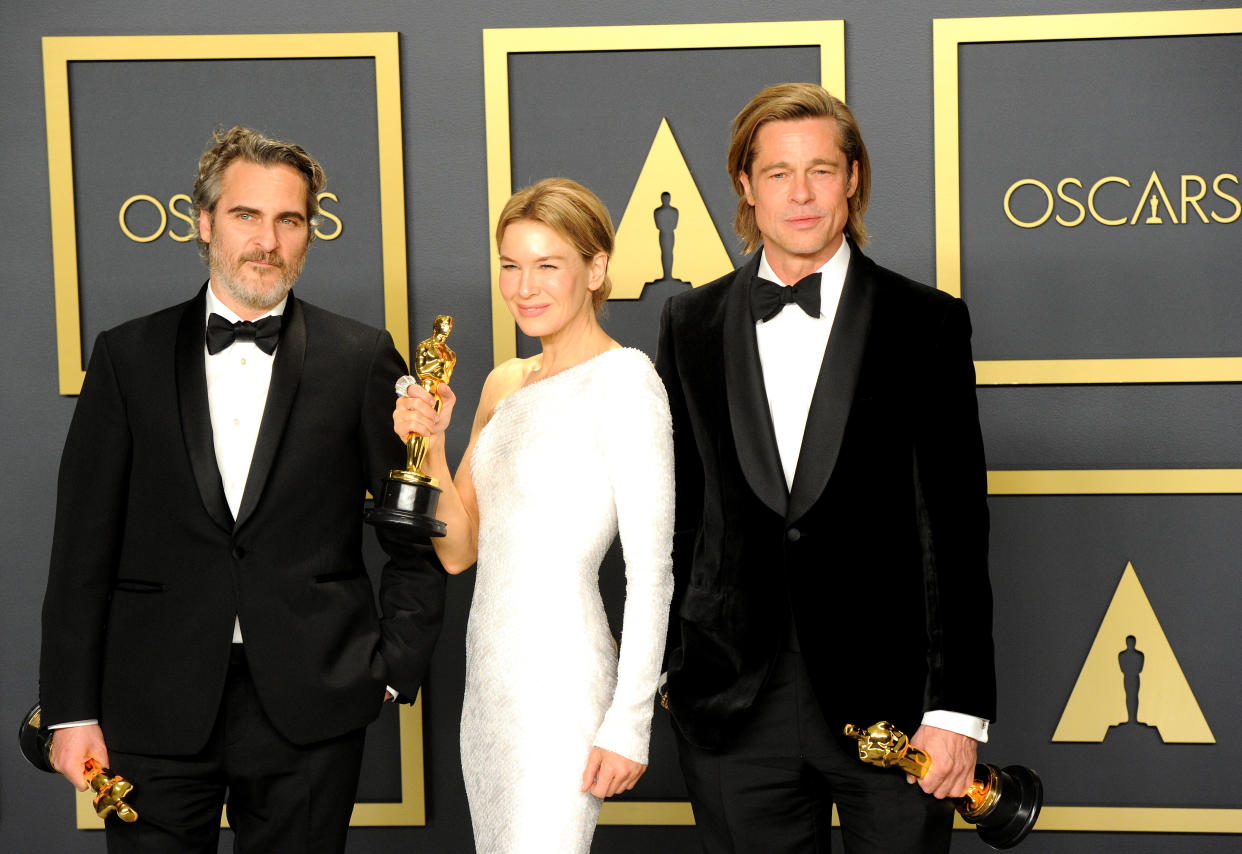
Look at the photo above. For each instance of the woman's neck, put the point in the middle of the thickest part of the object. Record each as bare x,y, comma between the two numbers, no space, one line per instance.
573,344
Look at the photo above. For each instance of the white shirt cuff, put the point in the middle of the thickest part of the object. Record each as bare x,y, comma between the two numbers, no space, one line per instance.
68,724
968,725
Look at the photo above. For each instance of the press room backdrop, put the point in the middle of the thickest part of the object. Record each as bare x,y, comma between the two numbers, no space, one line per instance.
1074,175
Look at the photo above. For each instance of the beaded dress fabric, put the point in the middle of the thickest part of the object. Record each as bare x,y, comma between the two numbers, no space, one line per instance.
564,465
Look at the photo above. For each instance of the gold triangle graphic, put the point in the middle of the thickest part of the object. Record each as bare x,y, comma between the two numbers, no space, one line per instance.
1165,699
699,256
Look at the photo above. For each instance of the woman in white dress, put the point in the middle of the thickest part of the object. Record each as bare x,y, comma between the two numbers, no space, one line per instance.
569,448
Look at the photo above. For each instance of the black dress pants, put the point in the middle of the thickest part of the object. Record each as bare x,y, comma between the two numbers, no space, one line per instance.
770,790
281,797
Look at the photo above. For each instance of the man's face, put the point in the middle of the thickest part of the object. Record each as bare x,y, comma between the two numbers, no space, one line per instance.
258,235
800,186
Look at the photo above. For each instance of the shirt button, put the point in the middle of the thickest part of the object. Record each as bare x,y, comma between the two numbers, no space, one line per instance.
236,422
243,360
793,535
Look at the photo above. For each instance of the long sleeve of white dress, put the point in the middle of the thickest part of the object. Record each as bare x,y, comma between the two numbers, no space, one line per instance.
637,442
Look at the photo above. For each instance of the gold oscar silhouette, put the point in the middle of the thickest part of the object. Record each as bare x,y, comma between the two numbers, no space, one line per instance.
1003,804
408,501
1154,217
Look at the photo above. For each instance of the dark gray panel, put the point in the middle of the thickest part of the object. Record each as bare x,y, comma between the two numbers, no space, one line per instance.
1091,109
1141,426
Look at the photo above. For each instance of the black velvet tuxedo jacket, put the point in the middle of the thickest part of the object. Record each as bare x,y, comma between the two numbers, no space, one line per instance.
149,567
878,553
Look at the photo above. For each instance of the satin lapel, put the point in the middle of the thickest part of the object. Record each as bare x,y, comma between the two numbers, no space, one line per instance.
753,434
834,390
286,374
191,371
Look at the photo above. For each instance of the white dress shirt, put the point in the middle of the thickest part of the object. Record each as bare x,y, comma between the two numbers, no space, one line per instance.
238,378
791,352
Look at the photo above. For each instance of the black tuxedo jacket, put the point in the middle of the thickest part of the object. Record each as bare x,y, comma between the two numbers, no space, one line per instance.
149,568
878,553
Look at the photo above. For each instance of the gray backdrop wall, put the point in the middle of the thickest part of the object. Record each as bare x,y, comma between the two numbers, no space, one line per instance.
1048,608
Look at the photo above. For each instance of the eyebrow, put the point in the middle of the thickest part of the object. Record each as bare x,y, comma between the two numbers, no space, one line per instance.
818,161
504,257
250,210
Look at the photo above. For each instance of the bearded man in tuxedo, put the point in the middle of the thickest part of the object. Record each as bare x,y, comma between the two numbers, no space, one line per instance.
830,553
209,628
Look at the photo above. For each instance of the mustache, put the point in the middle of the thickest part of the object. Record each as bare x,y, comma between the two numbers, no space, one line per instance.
265,257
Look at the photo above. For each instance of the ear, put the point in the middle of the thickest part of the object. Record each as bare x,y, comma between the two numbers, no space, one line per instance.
744,179
853,179
597,268
204,226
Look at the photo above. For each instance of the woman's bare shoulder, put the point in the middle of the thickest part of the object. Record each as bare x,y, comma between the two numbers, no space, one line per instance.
504,379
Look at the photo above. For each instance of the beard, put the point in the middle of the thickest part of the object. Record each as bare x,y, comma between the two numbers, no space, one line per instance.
228,271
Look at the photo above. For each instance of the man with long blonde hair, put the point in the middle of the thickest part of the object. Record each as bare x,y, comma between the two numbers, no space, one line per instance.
830,552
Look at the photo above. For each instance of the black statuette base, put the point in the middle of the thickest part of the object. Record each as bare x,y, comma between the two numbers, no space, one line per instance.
410,507
33,739
1020,796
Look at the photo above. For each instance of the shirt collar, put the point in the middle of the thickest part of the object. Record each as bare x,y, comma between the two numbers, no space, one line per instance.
215,306
832,272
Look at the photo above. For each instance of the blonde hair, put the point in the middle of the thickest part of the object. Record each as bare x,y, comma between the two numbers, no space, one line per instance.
246,144
573,212
790,102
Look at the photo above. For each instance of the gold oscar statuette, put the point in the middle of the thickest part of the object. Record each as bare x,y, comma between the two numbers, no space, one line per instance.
110,789
409,498
1003,804
110,792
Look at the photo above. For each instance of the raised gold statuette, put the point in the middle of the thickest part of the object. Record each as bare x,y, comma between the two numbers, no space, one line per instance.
1003,804
408,501
110,789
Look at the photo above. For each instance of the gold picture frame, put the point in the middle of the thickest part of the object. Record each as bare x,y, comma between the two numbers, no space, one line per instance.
1215,820
948,35
500,44
59,51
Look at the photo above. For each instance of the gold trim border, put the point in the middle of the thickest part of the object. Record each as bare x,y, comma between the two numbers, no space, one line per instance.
1062,818
1137,820
59,51
498,44
1115,482
410,811
948,34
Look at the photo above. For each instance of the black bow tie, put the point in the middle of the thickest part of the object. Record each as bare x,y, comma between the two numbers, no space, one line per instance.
768,298
265,333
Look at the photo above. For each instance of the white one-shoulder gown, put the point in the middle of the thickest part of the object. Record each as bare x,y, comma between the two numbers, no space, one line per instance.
563,466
